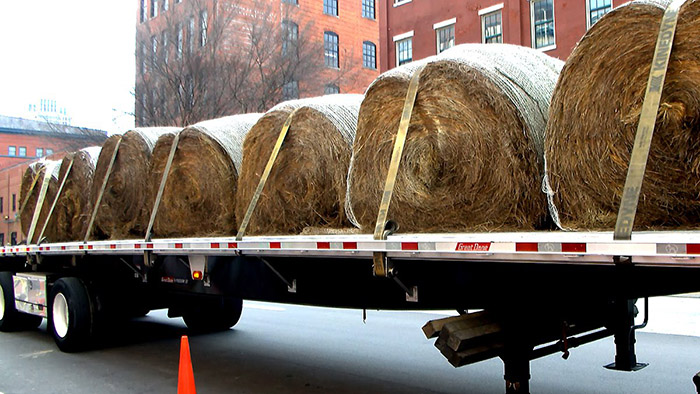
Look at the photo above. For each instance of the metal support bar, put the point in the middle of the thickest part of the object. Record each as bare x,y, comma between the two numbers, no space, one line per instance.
625,357
137,273
572,342
517,373
291,287
411,294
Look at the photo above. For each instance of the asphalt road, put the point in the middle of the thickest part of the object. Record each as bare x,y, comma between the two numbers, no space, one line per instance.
293,349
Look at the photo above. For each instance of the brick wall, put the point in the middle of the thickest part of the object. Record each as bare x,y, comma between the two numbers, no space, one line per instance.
419,16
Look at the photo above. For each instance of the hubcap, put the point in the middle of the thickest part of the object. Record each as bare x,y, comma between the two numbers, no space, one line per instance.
2,303
60,315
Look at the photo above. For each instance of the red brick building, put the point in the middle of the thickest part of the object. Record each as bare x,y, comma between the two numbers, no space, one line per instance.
415,29
23,141
344,33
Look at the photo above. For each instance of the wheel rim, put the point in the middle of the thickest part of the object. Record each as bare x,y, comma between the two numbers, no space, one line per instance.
60,315
2,303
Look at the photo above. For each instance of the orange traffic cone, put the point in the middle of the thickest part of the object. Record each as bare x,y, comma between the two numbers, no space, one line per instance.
185,378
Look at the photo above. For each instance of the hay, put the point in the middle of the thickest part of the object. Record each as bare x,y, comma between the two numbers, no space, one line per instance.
594,115
306,187
199,196
123,212
38,168
473,155
71,213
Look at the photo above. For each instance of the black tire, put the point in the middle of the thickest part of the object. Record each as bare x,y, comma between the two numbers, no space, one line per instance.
10,318
219,314
71,315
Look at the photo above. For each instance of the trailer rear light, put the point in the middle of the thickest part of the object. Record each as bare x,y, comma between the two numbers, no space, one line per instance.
197,275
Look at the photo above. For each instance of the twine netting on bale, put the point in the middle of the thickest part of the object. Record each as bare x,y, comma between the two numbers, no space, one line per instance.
473,155
306,187
38,169
199,195
71,213
594,115
123,211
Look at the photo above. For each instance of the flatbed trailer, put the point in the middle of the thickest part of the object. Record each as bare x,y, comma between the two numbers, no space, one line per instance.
541,292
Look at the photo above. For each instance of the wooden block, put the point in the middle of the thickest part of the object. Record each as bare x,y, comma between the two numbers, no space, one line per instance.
432,328
461,340
470,356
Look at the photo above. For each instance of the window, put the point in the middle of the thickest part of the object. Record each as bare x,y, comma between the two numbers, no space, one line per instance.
2,238
22,151
49,151
12,151
596,9
13,238
144,55
290,35
178,1
296,2
14,202
203,28
164,48
445,34
39,153
154,8
330,7
369,55
401,2
190,35
165,5
2,205
290,90
491,27
330,49
154,51
179,41
331,89
368,9
404,51
542,24
143,11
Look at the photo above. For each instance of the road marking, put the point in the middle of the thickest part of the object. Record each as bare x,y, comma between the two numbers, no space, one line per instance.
35,354
264,307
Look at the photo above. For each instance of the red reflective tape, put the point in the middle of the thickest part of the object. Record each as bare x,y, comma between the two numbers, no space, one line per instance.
215,245
178,246
409,245
275,245
149,246
233,245
349,245
692,248
47,248
63,248
137,246
573,248
526,247
112,246
473,246
323,245
81,247
90,247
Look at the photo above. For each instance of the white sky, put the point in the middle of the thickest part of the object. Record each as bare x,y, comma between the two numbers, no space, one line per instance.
78,52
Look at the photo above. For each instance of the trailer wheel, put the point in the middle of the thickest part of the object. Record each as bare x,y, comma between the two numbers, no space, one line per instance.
10,318
71,315
218,315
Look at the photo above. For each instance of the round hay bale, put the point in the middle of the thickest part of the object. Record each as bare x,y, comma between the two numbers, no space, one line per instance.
594,116
123,212
306,187
38,169
199,195
71,213
473,155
